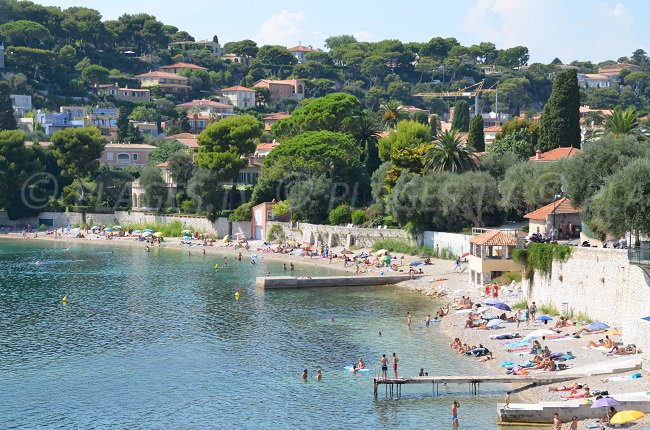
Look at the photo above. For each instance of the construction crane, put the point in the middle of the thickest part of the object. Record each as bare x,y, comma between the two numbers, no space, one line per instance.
472,91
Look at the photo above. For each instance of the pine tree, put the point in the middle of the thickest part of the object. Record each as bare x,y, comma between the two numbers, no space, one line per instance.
123,126
476,136
133,135
7,118
461,116
560,124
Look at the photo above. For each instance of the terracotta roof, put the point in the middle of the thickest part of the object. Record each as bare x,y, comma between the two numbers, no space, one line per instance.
183,66
596,76
238,88
410,109
208,103
277,82
302,48
556,154
266,146
587,109
163,164
277,116
494,238
562,206
128,146
493,128
162,75
187,139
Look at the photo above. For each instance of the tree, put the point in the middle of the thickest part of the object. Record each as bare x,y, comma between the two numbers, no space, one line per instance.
25,33
311,199
531,129
461,116
476,136
622,122
223,143
206,190
560,123
133,135
113,187
155,189
144,114
276,57
516,143
77,152
448,154
407,134
95,74
434,123
622,203
17,164
527,186
181,167
366,134
639,57
334,42
246,47
342,214
473,194
333,112
165,150
391,113
7,118
123,125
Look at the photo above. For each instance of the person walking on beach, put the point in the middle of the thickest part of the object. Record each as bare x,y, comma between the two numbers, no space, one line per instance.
384,366
574,424
457,266
409,319
527,315
454,413
557,423
395,360
533,311
506,400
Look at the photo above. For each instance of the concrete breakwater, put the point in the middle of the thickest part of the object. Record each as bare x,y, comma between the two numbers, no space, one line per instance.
287,282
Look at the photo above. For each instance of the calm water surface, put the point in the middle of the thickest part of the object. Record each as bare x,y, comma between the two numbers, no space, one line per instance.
157,341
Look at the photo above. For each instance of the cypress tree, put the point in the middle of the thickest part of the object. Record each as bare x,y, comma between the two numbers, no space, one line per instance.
7,118
476,136
560,124
461,116
123,126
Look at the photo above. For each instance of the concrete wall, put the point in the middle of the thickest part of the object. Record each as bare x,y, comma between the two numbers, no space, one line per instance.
199,223
284,282
457,243
601,283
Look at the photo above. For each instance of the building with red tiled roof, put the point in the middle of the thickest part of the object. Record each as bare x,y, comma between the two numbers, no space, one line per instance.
559,214
490,255
169,83
301,51
288,88
615,69
272,118
263,149
187,139
240,97
554,154
179,67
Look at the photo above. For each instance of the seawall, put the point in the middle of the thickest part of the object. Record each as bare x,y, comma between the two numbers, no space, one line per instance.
602,284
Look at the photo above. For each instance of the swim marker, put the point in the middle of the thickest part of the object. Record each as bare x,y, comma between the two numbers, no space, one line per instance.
237,295
64,300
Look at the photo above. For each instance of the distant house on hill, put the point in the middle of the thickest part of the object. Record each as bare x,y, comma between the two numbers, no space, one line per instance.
234,58
301,51
595,80
240,97
188,45
122,155
21,103
203,112
176,68
124,94
560,212
288,88
613,70
272,118
169,83
554,154
187,139
51,122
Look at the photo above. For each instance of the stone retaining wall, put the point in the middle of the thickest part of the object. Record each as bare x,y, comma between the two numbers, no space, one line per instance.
602,284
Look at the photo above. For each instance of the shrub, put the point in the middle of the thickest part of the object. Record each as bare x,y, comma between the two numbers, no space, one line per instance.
242,213
275,233
525,229
507,277
188,206
340,215
281,208
358,217
540,256
548,309
42,227
402,247
520,305
172,229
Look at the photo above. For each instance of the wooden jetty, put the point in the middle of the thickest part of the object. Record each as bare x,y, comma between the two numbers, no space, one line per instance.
287,282
394,385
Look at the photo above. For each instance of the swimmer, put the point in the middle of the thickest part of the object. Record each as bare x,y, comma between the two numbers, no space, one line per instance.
379,333
189,252
284,266
291,266
252,261
239,257
454,413
319,374
304,375
225,265
331,319
203,251
37,263
268,273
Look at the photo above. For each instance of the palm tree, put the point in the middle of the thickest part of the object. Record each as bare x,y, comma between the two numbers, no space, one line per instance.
366,133
622,122
391,113
450,155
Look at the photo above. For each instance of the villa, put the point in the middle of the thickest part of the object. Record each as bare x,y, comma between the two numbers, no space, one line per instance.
179,67
288,88
240,97
169,83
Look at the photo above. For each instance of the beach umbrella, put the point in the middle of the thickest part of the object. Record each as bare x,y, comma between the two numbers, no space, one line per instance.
157,234
625,417
95,227
381,252
491,301
226,238
186,232
613,332
597,326
502,306
146,234
148,230
187,238
646,318
603,402
117,227
137,231
538,333
108,229
494,323
544,318
386,259
416,263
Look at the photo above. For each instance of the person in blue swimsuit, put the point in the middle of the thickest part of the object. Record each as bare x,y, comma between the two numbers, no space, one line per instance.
454,413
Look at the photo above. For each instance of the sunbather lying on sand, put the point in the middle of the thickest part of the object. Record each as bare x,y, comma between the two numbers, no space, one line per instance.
607,343
562,322
575,395
572,387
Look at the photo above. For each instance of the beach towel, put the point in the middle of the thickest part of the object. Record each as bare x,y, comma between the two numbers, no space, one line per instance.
514,344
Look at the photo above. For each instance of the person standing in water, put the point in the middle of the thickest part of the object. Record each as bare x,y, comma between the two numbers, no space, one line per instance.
304,375
319,374
427,321
409,319
395,360
384,366
454,413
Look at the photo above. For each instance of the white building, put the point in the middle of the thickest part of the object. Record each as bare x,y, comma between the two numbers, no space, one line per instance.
301,51
21,103
594,80
55,121
240,97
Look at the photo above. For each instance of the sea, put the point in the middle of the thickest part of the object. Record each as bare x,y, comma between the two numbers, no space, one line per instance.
159,341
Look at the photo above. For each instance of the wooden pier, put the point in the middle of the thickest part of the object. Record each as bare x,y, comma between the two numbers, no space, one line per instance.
394,385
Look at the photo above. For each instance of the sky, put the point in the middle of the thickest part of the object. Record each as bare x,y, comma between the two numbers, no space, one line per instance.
594,30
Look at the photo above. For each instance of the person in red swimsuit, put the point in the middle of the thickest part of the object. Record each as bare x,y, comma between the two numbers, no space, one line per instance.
395,360
495,291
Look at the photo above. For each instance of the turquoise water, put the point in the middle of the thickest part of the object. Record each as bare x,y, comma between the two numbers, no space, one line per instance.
158,341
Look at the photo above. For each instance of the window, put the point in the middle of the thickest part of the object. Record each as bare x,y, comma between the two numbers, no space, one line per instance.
123,159
109,156
135,157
